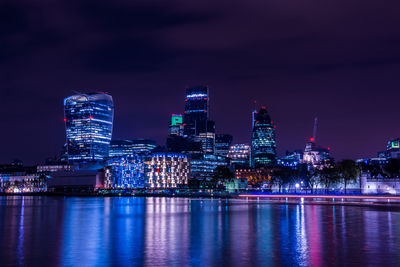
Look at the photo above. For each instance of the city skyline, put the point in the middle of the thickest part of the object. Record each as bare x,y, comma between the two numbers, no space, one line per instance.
334,61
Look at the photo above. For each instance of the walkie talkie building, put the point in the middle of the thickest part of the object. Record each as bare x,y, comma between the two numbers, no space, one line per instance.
88,122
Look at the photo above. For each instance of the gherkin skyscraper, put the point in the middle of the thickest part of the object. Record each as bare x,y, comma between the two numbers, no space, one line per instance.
263,140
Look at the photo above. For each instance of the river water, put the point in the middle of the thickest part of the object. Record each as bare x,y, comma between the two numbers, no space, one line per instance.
129,231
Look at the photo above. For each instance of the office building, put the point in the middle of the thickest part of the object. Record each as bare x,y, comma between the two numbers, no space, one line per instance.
239,155
88,122
196,111
222,144
393,149
168,170
128,171
202,166
120,148
263,140
143,146
176,125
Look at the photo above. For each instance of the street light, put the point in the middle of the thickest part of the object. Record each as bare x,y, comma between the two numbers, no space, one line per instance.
297,186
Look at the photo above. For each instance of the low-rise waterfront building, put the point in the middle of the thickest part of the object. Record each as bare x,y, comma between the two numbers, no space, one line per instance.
379,184
128,172
202,166
168,170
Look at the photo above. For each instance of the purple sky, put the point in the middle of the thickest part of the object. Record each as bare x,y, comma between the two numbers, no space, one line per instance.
335,59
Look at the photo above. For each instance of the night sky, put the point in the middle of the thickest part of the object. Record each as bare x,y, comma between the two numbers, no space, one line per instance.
335,59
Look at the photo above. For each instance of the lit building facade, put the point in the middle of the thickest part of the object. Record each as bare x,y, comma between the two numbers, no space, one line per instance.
207,141
263,140
315,156
128,171
168,170
143,146
196,111
239,154
176,126
120,148
203,166
88,122
393,149
222,144
292,159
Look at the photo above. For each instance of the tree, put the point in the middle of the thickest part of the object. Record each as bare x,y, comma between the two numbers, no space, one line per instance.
282,176
328,176
223,173
312,178
348,172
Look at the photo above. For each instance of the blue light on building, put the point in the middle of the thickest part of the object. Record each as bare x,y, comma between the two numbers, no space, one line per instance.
128,171
203,166
88,122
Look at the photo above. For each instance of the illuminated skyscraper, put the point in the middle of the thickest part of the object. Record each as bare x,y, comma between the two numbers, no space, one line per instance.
263,140
196,111
88,122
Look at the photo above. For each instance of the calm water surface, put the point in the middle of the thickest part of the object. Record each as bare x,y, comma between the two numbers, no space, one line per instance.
126,231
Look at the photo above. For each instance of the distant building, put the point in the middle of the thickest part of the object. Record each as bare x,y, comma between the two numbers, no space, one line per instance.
202,166
222,144
176,126
88,122
393,149
291,159
168,170
128,171
179,144
47,168
263,140
207,141
255,177
120,148
196,111
234,185
76,181
315,156
379,184
239,155
143,146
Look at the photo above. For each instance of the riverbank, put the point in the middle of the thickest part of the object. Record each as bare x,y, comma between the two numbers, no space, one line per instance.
207,194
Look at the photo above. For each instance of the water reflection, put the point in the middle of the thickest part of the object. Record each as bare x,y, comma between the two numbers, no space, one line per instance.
192,232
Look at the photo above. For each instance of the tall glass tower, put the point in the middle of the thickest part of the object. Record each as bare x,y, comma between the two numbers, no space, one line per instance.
196,111
88,122
263,140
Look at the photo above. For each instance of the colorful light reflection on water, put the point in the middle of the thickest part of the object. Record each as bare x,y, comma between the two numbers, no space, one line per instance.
57,231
